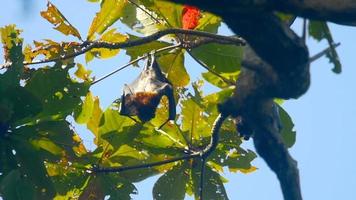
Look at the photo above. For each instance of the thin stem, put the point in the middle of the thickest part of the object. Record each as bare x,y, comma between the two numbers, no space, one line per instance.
304,34
149,165
134,61
322,53
201,184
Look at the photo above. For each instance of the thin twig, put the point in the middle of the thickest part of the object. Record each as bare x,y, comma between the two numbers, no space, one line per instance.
148,165
304,34
134,61
87,45
201,184
323,52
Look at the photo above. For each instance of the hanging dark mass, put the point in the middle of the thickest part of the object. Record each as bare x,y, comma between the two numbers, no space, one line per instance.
142,97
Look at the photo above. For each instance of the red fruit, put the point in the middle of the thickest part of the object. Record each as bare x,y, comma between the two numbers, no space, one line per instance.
190,17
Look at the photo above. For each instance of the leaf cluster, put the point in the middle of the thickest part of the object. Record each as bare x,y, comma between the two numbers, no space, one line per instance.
42,156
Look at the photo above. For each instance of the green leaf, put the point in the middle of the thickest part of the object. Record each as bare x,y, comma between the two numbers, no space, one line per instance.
193,120
83,73
59,94
209,22
126,136
52,140
85,111
108,186
52,50
211,101
110,36
229,153
69,184
288,133
171,185
32,165
116,187
55,17
13,186
319,30
219,82
288,19
213,187
173,65
17,106
137,51
220,58
166,14
110,12
12,45
170,12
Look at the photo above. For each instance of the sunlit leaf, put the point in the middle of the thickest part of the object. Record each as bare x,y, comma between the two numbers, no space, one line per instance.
12,44
220,82
54,16
110,36
145,22
193,120
211,101
48,145
51,49
135,52
209,22
85,111
94,121
173,66
110,12
170,12
83,73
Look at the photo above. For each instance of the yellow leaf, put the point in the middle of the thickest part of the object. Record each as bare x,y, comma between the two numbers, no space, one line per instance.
82,73
54,16
110,36
110,12
93,123
245,171
48,145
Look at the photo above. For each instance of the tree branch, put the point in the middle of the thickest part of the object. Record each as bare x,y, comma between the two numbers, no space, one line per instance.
271,148
275,65
343,12
88,45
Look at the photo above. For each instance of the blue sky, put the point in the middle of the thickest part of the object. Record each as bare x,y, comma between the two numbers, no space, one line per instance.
324,118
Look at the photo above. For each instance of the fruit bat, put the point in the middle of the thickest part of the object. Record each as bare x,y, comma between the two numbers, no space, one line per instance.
142,96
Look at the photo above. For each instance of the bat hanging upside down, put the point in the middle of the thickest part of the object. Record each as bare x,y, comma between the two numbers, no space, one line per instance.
142,96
